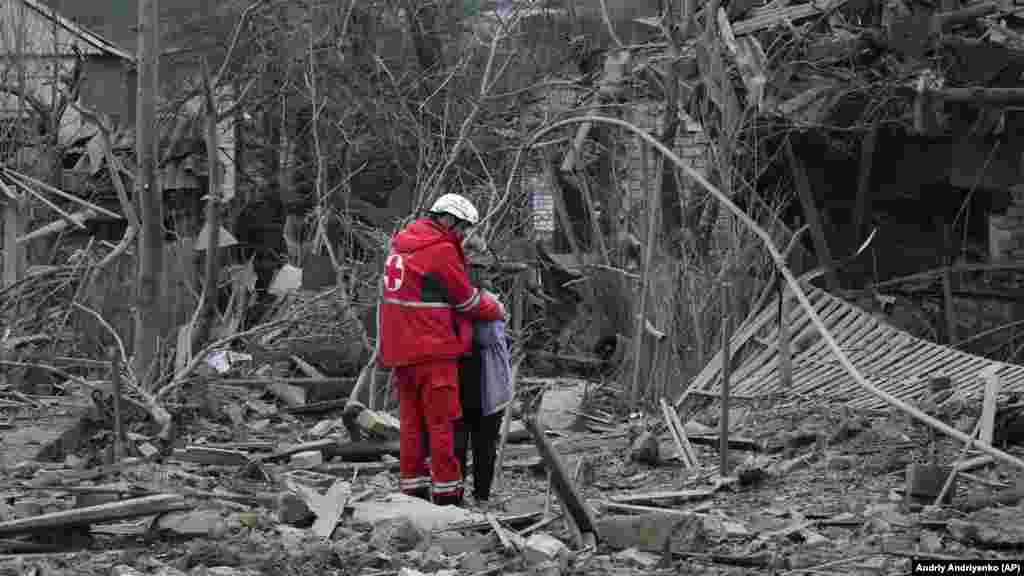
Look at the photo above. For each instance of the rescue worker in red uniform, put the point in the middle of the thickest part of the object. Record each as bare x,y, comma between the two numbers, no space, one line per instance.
427,312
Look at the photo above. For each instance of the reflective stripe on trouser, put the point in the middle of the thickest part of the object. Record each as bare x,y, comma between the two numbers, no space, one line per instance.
429,401
447,488
414,484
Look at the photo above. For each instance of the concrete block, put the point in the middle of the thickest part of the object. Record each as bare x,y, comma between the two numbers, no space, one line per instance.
645,449
306,460
542,548
147,450
924,483
198,523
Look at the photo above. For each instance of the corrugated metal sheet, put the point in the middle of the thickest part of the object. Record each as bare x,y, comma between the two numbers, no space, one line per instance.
890,358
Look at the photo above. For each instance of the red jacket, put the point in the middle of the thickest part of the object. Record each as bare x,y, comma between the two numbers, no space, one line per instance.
428,304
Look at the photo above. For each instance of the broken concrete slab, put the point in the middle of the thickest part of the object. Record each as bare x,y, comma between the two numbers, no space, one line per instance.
634,557
433,558
194,524
473,562
398,534
930,542
122,570
543,548
650,532
328,507
457,543
991,528
424,515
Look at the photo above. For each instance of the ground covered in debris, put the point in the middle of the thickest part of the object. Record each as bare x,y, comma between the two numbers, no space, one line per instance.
254,489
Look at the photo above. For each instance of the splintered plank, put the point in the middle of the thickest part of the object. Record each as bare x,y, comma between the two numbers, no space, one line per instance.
819,300
801,329
819,375
686,451
714,366
818,354
125,509
572,503
872,348
662,498
765,364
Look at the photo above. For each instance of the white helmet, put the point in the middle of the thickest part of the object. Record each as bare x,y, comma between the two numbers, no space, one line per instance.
457,206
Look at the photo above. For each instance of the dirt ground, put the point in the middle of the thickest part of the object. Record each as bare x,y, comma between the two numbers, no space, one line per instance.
823,495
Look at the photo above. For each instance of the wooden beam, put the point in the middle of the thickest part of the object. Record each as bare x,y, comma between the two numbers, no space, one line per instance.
56,226
785,351
862,204
949,308
982,95
124,509
935,275
572,503
723,422
150,273
986,421
813,216
12,251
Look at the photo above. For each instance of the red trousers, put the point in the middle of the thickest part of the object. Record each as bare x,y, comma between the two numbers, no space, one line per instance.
428,396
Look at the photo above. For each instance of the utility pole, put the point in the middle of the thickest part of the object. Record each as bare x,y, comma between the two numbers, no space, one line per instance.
149,317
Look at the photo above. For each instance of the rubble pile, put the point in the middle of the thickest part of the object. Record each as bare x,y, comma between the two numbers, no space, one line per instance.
254,488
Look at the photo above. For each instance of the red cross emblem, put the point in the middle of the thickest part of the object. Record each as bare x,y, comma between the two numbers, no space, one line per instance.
394,272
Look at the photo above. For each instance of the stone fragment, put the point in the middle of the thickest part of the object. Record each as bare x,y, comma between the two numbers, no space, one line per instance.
645,449
543,548
306,460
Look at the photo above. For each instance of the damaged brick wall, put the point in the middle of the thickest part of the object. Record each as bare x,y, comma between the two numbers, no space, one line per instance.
691,145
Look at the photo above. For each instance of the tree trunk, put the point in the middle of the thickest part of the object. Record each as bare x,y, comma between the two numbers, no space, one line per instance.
149,319
211,273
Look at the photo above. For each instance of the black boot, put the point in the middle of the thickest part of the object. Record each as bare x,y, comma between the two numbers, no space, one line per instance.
449,500
421,493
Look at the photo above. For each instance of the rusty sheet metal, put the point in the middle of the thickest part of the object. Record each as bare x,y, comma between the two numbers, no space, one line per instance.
893,360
